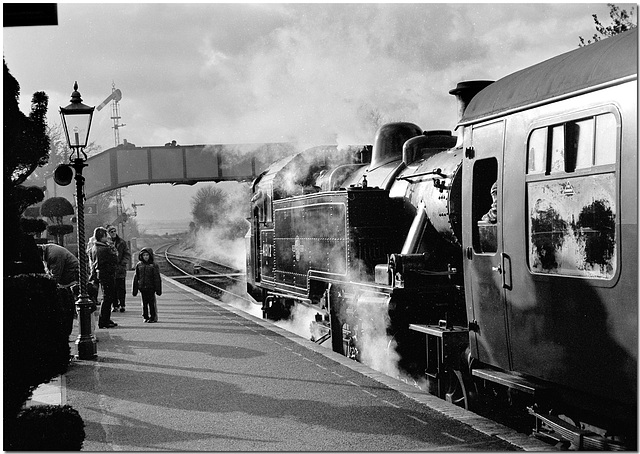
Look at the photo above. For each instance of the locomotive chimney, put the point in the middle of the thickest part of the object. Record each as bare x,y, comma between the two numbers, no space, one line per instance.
465,91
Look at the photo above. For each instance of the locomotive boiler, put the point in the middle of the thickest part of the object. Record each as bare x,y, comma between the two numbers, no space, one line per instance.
497,260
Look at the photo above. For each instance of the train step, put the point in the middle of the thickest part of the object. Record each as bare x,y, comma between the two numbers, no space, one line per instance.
510,380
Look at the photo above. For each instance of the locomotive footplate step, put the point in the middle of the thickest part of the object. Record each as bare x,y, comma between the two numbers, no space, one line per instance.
443,346
510,380
439,331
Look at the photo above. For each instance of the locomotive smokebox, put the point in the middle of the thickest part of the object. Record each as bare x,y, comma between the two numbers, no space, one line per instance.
465,91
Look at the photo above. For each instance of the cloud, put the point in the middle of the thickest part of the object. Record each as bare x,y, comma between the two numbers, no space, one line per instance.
224,73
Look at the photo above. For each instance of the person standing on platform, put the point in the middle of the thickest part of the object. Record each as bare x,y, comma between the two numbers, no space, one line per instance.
121,271
104,260
92,286
147,280
63,266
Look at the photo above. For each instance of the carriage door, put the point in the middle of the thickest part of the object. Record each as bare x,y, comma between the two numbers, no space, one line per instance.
482,233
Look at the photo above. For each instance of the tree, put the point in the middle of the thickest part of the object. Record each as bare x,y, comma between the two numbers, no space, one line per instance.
371,119
26,146
213,208
206,206
622,21
56,208
58,154
31,296
26,142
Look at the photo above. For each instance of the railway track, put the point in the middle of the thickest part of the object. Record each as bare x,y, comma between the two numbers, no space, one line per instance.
206,276
223,282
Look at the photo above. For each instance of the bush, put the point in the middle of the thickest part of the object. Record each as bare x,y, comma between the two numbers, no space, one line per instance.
46,428
33,226
36,344
59,229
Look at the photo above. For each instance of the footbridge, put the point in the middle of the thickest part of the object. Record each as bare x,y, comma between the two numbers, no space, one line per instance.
128,165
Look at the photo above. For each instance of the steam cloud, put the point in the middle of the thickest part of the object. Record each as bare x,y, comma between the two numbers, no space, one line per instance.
215,243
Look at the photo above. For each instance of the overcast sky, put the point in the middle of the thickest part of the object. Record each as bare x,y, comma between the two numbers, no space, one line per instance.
207,73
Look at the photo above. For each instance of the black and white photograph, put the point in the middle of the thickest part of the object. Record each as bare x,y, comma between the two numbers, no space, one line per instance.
320,227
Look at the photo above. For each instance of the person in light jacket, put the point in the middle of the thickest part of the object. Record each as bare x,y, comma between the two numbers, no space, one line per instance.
147,280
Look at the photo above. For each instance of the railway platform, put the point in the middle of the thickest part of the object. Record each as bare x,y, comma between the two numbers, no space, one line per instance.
210,377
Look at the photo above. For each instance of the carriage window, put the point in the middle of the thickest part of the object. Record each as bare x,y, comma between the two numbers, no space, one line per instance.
606,133
572,210
537,151
485,206
581,140
557,149
574,145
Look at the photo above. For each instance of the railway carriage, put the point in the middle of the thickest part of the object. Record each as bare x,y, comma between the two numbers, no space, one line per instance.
502,260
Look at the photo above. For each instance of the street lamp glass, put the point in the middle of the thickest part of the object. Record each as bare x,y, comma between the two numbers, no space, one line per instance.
76,120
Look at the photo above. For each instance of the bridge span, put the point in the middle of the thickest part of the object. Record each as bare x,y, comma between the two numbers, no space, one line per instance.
128,165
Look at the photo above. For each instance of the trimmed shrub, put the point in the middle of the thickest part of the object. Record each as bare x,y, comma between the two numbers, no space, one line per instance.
58,230
33,226
47,428
36,345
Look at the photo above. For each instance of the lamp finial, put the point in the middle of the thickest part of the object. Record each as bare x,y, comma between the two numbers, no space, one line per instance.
75,96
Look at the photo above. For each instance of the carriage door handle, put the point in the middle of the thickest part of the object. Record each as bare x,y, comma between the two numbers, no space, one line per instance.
497,268
506,268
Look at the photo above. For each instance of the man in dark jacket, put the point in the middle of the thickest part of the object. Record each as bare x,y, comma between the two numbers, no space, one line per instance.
124,256
60,263
63,266
104,260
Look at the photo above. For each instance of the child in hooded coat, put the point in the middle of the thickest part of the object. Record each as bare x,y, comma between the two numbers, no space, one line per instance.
147,280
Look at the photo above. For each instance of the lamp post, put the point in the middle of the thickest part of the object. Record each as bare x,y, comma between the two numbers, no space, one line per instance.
76,120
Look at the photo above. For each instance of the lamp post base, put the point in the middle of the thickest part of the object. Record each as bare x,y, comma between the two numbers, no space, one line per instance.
86,349
86,341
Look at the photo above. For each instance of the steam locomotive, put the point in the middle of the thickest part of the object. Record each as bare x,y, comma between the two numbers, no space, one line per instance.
499,261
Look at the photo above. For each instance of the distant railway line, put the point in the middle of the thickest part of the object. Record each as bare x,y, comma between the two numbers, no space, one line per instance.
206,276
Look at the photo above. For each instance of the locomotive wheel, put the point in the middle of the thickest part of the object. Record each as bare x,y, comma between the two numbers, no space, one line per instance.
458,389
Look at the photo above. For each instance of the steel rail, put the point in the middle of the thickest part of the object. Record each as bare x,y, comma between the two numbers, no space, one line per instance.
198,279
